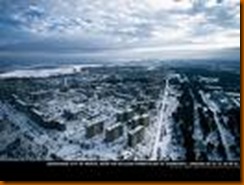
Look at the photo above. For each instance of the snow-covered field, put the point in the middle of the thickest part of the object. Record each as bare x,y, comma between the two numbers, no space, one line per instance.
44,73
101,94
226,137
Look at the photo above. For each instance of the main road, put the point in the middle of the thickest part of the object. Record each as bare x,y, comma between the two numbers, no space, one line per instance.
160,121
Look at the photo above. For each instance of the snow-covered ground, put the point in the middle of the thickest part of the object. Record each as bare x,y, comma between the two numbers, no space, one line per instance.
44,73
164,149
160,121
225,135
92,98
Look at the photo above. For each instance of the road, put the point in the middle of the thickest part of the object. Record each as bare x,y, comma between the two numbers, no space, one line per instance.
225,136
160,121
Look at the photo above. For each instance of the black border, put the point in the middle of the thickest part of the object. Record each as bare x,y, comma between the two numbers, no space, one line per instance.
40,171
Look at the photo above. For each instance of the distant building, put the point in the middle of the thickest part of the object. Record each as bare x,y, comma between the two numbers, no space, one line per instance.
120,116
37,96
56,125
38,117
141,107
135,136
20,104
144,120
138,120
94,128
133,123
152,104
113,132
123,116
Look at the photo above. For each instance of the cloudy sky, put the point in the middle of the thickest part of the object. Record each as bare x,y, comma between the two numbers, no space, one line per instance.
133,26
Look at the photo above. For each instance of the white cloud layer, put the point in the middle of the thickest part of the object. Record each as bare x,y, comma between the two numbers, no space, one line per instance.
113,24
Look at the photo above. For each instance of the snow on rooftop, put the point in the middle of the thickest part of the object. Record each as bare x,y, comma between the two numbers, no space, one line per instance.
114,126
138,128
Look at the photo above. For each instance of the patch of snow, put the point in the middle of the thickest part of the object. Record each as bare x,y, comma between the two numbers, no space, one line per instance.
44,73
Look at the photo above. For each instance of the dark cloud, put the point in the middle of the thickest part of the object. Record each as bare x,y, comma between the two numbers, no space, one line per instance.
111,24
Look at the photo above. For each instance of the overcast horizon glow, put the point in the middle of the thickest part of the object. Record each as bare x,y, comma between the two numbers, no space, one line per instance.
139,26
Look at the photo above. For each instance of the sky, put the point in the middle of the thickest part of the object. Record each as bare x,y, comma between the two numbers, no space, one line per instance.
110,27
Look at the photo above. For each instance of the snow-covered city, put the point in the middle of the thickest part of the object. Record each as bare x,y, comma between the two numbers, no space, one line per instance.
120,90
120,112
